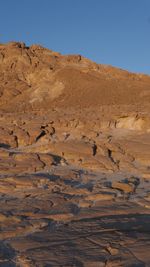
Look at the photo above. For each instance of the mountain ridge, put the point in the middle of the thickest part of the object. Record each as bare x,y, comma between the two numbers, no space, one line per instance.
41,78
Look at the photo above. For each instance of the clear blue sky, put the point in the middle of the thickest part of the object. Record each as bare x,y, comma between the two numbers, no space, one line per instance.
115,32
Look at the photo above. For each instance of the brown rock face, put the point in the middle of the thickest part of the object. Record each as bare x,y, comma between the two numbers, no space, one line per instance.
74,161
35,77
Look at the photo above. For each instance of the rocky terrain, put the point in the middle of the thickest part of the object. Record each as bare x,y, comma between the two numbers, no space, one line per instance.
74,161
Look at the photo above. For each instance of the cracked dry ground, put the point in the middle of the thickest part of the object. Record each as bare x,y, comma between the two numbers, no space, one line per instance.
72,192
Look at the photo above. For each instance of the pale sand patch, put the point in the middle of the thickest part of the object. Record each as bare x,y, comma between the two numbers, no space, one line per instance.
47,90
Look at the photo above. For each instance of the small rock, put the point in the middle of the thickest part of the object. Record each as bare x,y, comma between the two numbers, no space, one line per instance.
126,188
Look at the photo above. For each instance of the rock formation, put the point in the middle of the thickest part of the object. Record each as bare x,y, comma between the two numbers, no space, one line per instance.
74,161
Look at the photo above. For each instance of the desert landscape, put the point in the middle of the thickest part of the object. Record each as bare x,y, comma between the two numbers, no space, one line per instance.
74,161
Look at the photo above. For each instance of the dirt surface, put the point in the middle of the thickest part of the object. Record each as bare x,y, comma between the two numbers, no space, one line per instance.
74,161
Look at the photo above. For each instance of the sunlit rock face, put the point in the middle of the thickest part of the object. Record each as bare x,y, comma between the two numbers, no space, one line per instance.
74,161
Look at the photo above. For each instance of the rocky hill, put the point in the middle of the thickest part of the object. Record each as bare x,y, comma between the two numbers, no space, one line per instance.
35,77
74,161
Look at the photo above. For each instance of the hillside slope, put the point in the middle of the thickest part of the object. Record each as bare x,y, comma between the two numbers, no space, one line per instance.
35,77
74,161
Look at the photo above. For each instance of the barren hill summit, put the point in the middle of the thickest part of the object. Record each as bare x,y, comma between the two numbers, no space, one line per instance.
34,78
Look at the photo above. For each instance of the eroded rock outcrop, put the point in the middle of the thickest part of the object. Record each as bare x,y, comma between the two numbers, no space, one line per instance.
74,161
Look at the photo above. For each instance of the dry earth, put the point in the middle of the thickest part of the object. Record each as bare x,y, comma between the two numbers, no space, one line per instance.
74,161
